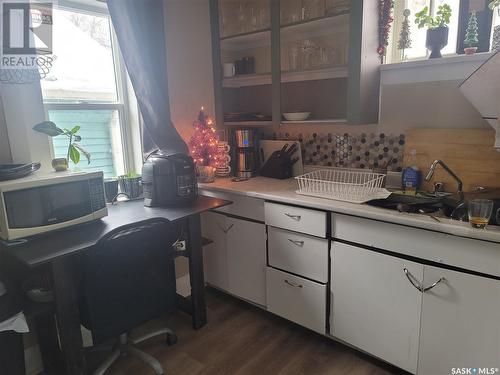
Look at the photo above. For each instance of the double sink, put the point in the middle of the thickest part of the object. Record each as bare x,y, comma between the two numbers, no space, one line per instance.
437,205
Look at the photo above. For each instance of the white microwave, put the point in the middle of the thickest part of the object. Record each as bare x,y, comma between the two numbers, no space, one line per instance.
42,203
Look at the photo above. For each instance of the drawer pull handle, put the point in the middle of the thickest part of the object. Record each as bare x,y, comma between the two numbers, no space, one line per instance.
441,280
294,217
296,242
293,284
413,280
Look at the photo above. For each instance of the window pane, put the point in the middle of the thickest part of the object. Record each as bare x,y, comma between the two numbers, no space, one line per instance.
100,132
83,68
418,36
451,48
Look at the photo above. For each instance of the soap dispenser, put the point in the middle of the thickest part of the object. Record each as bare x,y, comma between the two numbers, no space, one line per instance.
412,177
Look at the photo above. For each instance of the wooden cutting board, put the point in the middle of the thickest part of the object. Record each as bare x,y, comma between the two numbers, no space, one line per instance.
468,152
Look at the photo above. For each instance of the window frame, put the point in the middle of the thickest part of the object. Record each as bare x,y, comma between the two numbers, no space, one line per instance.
395,54
129,125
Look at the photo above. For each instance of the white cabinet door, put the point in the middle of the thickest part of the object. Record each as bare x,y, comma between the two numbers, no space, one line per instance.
460,323
213,226
374,306
246,259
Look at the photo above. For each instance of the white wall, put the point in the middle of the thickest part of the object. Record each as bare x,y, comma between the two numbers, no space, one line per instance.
189,61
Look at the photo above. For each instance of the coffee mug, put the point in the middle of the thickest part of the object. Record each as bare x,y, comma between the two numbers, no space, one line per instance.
229,70
224,146
226,158
223,171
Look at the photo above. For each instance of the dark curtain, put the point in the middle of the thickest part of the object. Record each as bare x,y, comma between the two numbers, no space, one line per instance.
139,26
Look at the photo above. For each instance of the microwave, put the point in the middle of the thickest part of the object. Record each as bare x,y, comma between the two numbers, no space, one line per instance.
42,203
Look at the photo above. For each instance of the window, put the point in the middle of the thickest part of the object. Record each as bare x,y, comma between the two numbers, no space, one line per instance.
87,86
418,36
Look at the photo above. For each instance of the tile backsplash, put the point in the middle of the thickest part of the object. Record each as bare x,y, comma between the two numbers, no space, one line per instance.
365,151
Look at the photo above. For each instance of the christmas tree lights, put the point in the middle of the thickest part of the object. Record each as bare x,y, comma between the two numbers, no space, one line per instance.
203,143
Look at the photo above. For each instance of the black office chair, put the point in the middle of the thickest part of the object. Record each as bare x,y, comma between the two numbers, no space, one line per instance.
128,279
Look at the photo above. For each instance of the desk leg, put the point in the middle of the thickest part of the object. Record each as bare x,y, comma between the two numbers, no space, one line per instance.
196,276
68,316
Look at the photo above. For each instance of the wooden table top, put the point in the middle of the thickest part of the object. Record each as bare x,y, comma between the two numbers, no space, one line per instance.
44,248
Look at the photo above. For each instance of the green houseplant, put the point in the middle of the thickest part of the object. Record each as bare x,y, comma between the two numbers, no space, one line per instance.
437,28
74,149
130,184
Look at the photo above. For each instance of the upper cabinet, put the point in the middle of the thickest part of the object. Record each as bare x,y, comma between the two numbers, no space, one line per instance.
272,57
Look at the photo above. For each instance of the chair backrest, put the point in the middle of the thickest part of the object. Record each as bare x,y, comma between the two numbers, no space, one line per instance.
128,278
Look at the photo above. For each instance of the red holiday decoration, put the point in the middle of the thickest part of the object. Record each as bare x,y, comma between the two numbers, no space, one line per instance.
384,26
203,143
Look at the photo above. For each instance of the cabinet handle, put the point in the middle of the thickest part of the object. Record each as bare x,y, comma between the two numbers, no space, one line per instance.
295,242
229,228
413,280
293,284
441,280
294,217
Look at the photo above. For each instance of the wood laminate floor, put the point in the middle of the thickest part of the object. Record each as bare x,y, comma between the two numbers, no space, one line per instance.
241,339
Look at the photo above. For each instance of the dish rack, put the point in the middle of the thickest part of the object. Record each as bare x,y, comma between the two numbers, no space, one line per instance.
342,184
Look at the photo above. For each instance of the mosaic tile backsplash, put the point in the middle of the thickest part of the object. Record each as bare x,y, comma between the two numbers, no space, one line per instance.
365,151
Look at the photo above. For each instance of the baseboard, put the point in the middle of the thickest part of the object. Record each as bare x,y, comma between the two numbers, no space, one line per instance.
33,360
183,284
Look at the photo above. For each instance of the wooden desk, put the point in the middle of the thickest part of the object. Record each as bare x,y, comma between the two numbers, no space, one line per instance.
58,249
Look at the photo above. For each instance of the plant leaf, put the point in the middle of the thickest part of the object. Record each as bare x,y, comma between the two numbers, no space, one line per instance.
83,151
49,128
75,129
74,154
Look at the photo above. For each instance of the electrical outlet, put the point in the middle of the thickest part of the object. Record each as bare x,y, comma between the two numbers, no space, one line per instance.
180,245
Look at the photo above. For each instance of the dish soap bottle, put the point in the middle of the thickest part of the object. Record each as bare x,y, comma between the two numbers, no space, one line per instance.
412,177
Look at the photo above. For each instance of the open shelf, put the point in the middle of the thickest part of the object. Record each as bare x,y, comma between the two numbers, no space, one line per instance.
248,123
291,76
315,27
254,39
322,121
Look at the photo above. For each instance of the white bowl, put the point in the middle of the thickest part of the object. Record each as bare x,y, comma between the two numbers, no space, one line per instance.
296,116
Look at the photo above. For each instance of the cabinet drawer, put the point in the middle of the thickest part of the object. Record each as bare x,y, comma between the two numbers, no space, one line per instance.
296,299
475,255
242,206
298,219
300,254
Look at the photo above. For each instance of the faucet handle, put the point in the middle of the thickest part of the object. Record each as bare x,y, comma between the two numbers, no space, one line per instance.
438,187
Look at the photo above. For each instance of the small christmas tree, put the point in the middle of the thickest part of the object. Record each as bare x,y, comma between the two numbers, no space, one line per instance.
471,35
203,143
404,41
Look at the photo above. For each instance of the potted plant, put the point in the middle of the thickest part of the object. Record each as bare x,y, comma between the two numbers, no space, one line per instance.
495,4
495,44
130,184
437,28
74,149
471,36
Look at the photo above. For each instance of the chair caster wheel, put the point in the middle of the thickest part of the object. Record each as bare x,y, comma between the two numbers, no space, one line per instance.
171,339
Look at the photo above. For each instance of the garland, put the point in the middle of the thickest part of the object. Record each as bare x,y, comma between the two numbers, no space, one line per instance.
384,26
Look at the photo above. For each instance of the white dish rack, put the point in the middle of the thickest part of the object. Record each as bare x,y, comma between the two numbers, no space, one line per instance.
343,184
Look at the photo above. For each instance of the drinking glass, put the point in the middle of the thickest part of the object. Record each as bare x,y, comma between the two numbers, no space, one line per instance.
480,211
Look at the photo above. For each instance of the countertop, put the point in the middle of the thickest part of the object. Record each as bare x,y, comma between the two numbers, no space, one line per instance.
284,191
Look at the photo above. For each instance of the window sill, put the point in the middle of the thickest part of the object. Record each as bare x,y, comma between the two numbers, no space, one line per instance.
453,68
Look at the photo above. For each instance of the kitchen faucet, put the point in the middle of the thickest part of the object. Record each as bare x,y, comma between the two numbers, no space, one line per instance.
450,172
